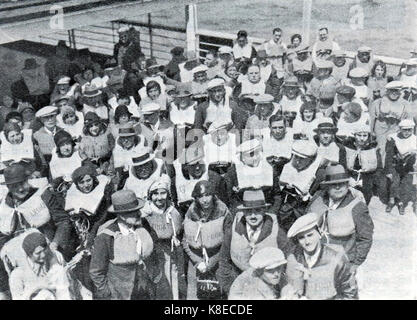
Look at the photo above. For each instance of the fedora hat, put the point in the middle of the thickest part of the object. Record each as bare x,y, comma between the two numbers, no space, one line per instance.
91,91
124,201
15,173
31,64
127,131
326,124
142,159
335,174
181,93
253,199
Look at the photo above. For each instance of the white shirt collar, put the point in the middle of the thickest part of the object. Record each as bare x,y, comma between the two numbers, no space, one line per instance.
124,229
312,260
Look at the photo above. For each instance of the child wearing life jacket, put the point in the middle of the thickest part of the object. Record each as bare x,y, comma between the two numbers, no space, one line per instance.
400,166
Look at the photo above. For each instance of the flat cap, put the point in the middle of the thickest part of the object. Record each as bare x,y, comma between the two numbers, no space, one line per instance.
346,91
216,82
394,85
362,128
407,123
200,68
358,73
364,49
304,148
150,108
225,49
324,64
267,258
291,82
263,98
46,111
338,53
249,146
303,223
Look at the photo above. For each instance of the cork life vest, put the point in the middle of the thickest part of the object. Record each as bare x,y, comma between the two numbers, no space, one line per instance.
302,180
184,186
245,52
181,117
76,129
305,65
241,250
95,147
288,105
252,88
141,186
132,248
45,141
254,177
64,167
86,202
222,111
17,152
185,75
123,157
367,159
164,224
278,148
224,153
405,146
203,234
265,72
34,211
330,152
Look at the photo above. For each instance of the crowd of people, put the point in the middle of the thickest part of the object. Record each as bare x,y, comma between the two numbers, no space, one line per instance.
245,176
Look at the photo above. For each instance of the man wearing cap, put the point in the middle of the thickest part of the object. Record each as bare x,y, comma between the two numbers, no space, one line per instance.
323,85
364,59
352,117
172,70
264,280
213,64
252,84
291,100
225,56
242,49
358,77
298,182
327,147
343,217
92,102
269,73
276,49
324,46
344,95
253,228
302,65
340,67
400,166
126,262
364,163
409,76
386,113
316,270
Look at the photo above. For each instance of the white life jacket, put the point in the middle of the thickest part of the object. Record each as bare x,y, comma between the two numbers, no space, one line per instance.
306,65
222,111
101,111
224,153
166,224
87,202
306,128
302,180
405,146
278,148
254,177
245,52
241,250
33,210
203,234
265,72
288,105
252,88
20,151
330,152
180,117
183,186
367,159
123,157
142,91
185,75
64,167
140,187
76,129
348,128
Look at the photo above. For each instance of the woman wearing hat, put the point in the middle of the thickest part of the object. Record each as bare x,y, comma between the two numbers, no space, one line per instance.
358,79
126,262
72,121
16,144
323,85
306,121
401,166
364,59
92,101
253,228
166,221
203,236
343,217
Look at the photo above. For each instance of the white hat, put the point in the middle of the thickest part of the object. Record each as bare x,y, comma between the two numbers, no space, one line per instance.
411,62
123,29
163,182
394,85
218,124
324,64
358,73
150,108
267,258
364,49
249,146
304,148
64,80
263,98
216,82
46,111
200,68
407,123
362,128
303,223
225,49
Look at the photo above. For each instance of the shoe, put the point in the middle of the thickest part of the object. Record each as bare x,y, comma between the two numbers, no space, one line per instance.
389,207
401,208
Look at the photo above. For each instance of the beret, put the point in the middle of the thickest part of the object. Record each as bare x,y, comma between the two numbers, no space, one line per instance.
82,171
362,128
163,182
218,124
267,258
123,29
304,148
47,111
302,224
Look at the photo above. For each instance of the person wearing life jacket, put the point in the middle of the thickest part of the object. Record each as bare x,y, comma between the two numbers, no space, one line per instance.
344,218
253,227
86,202
153,73
323,85
252,83
276,50
97,142
328,148
357,79
400,166
28,115
264,280
340,67
277,145
324,46
65,157
257,125
167,222
306,121
269,74
364,59
351,118
63,88
203,237
298,182
145,169
43,139
364,163
386,113
344,95
409,76
154,94
71,121
92,102
291,101
251,171
226,56
316,270
243,50
301,66
25,207
126,261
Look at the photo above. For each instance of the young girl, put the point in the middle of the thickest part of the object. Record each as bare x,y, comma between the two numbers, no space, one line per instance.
71,121
306,121
154,94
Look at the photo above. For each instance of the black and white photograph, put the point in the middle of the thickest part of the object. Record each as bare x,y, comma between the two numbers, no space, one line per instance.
208,150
